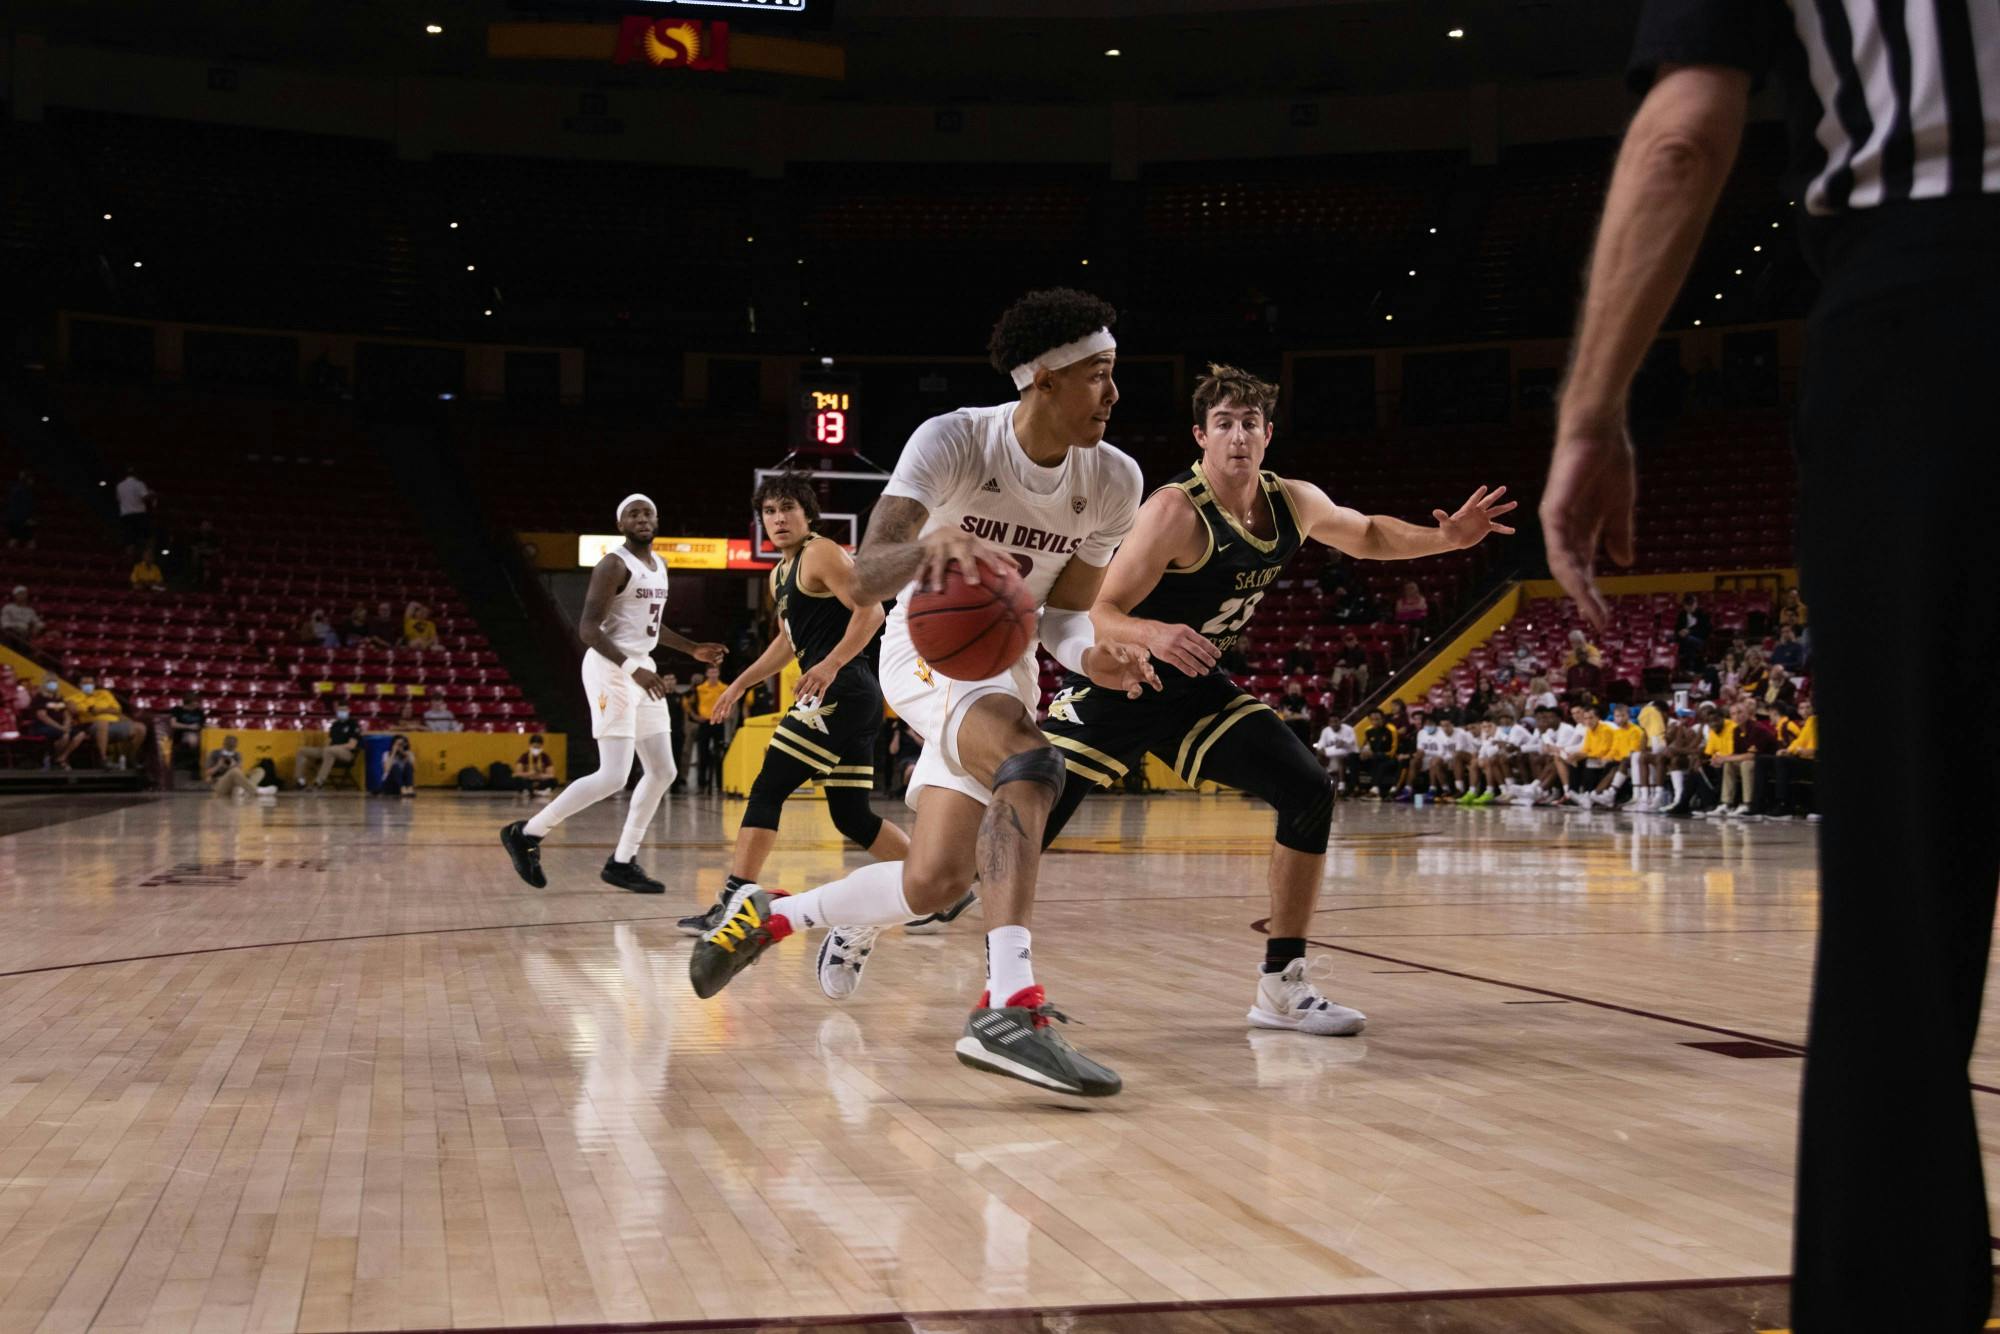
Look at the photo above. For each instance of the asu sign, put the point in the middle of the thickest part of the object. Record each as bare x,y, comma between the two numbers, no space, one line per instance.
673,44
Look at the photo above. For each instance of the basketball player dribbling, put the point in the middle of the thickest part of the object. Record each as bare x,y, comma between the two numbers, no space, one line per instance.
1204,551
1026,484
620,628
829,733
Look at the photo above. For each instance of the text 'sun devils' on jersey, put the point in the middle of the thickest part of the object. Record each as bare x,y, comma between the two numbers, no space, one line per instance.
1219,594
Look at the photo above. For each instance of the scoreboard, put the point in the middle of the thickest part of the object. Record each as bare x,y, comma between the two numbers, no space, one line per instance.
826,415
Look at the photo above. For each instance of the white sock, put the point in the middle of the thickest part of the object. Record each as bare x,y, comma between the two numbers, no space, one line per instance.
871,896
1679,779
1618,782
1009,963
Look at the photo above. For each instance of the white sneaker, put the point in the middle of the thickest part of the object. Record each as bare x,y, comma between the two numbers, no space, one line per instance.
1813,818
267,791
1290,1000
843,953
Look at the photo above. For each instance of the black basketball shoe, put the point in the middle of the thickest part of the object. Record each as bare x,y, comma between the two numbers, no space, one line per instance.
526,850
629,875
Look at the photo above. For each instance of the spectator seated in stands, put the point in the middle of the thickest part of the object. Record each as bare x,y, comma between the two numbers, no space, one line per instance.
1692,629
1540,696
226,775
318,630
146,575
535,771
1583,670
419,630
51,719
1793,792
18,517
1300,657
1293,708
1335,748
117,736
19,623
1412,608
438,717
1790,601
385,627
1480,704
1789,654
354,631
343,742
1350,663
1779,692
186,722
1752,672
1375,740
399,769
409,718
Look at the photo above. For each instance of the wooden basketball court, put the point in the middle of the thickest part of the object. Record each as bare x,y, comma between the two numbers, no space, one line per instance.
322,1063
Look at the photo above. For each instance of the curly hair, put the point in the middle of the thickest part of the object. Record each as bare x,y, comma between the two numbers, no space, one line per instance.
1228,384
1043,320
797,487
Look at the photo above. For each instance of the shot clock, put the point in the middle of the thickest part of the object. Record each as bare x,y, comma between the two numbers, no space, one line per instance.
826,415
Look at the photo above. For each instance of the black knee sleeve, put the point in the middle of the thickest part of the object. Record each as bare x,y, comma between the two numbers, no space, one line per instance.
780,776
1305,816
852,815
1043,765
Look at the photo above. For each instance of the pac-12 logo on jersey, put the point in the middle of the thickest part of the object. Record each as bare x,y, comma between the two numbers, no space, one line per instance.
1063,707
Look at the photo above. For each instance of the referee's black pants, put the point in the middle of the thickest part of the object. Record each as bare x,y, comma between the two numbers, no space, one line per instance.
1897,444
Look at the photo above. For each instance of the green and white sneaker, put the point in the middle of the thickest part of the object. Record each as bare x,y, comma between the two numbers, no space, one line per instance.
1019,1041
746,931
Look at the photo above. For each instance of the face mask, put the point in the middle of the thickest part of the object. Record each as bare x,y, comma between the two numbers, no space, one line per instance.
536,748
340,714
89,689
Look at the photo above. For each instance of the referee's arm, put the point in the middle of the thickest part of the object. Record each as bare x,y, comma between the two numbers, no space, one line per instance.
1670,171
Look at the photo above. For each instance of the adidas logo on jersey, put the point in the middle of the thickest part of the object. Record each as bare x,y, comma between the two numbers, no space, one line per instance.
992,484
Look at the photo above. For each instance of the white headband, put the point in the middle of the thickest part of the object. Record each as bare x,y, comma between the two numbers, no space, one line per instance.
636,495
1067,355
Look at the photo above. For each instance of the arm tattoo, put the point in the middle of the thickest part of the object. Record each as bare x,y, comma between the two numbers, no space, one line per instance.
889,556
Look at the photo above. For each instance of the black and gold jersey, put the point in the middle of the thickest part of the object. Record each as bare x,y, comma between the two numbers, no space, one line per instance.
815,622
1218,594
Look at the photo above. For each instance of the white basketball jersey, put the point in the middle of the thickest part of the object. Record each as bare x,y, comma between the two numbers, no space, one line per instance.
969,470
633,623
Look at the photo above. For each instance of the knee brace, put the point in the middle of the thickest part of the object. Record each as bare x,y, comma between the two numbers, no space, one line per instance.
1304,803
1042,766
781,776
852,815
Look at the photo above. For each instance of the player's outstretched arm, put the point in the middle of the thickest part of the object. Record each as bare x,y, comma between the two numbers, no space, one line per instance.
1379,537
893,553
1067,628
831,568
768,664
1670,172
1166,533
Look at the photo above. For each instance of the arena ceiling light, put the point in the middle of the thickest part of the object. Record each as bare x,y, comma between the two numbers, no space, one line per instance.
107,217
433,29
1113,52
1455,33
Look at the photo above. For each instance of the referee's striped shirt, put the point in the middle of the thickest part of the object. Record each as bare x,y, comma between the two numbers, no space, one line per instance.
1888,99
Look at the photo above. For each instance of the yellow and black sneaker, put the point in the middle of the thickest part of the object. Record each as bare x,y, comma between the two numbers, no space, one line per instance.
747,929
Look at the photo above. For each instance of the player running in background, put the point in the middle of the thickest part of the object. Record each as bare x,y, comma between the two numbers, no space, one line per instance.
620,628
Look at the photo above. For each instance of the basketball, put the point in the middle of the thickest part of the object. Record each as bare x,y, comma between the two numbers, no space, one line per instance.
972,631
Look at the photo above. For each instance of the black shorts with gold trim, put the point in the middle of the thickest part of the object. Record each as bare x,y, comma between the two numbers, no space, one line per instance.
1190,727
835,737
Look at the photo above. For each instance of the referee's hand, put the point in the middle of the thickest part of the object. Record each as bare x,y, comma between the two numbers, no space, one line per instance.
1588,502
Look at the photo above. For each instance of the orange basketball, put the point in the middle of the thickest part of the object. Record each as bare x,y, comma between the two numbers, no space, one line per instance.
972,631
